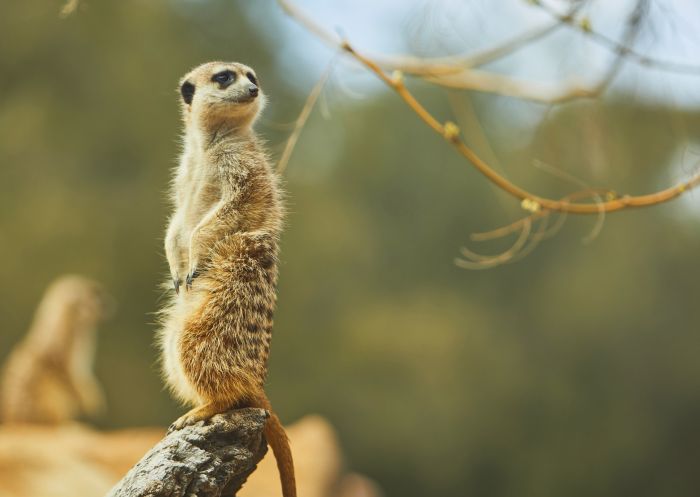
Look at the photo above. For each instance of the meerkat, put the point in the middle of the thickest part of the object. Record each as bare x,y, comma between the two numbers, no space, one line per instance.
48,377
221,244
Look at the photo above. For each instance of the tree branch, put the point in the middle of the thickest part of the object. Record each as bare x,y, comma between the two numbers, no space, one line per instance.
204,460
584,26
303,117
451,133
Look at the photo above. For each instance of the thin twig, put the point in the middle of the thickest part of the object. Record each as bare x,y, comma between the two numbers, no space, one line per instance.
596,197
457,63
488,82
534,241
553,93
301,120
458,71
515,225
584,27
472,260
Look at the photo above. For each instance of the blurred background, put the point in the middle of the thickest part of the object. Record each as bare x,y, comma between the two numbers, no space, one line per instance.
572,372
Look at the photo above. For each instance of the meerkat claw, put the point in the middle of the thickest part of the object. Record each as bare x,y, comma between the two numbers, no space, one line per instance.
181,423
193,417
190,278
176,285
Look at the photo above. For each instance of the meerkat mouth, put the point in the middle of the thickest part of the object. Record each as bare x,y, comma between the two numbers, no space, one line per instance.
246,99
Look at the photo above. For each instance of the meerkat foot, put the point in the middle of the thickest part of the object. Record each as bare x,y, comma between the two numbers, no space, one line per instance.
201,413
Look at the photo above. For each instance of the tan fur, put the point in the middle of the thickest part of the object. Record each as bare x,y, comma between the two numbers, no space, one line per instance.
221,243
48,377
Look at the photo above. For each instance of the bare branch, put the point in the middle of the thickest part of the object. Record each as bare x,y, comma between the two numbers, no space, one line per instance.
584,26
590,192
461,75
457,63
205,460
450,132
459,72
515,225
488,82
303,117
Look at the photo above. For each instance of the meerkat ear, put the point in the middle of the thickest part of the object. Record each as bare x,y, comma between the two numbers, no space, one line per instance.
187,91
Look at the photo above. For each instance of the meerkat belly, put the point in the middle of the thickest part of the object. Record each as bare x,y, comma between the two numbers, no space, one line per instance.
172,331
174,376
225,343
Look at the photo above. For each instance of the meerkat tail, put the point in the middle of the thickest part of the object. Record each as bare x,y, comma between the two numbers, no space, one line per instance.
278,441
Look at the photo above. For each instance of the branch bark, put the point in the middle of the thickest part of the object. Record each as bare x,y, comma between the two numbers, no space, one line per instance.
204,460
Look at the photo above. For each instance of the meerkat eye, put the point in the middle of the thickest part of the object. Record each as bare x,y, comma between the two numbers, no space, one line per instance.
252,79
224,77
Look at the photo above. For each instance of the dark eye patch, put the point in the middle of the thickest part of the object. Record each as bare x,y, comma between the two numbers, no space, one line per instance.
224,78
187,91
252,79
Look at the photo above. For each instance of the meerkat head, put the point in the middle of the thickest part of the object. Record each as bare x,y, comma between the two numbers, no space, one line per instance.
217,94
80,299
72,308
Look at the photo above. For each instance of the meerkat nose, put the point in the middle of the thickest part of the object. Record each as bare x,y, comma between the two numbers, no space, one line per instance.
253,90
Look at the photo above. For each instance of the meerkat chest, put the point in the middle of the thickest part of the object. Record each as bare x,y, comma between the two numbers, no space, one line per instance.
201,197
198,193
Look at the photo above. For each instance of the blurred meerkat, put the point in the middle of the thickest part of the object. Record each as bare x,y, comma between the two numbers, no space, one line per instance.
48,377
222,240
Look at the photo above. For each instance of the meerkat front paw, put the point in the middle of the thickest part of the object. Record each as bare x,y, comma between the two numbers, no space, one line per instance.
190,278
192,272
191,275
174,253
176,283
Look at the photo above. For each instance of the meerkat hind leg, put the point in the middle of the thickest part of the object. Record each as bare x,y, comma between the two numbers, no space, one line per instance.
200,413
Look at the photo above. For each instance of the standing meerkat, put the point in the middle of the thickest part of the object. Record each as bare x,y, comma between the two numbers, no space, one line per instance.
221,245
48,377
